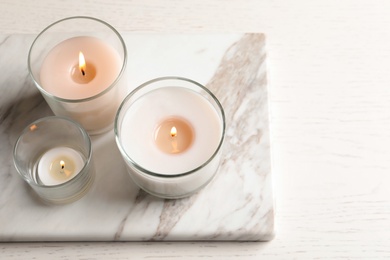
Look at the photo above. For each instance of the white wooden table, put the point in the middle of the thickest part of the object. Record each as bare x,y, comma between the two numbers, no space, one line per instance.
329,74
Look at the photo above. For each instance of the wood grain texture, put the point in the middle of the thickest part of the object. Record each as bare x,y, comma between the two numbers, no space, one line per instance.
330,90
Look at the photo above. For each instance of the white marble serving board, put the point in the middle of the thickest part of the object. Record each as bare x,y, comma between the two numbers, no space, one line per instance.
236,205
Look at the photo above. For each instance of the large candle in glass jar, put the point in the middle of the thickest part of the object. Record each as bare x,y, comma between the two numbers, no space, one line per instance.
78,64
170,131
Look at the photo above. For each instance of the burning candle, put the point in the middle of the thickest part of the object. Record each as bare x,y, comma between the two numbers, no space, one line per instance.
148,123
174,135
59,165
170,132
54,156
79,68
80,74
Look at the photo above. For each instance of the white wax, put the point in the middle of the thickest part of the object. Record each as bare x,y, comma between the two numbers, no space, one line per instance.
49,175
141,119
56,70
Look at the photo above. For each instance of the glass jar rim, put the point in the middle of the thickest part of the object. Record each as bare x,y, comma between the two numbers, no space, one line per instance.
161,175
123,66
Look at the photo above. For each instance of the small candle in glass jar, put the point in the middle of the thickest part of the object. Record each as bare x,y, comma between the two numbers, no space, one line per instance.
59,165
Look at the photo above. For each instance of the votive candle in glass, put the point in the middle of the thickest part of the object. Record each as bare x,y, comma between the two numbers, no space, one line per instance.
54,156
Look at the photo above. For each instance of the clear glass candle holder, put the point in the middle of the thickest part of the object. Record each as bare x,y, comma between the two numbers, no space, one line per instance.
54,156
170,132
87,89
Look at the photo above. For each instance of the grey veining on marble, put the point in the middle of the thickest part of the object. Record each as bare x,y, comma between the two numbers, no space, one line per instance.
236,205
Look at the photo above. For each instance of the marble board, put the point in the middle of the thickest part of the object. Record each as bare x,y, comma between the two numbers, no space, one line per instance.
237,205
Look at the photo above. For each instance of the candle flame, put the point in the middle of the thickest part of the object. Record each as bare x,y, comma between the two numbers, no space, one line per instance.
173,131
82,64
62,163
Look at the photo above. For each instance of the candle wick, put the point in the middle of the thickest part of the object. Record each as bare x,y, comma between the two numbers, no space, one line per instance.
83,72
